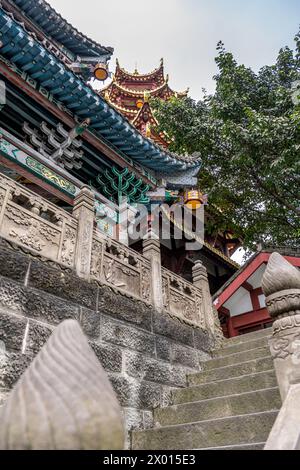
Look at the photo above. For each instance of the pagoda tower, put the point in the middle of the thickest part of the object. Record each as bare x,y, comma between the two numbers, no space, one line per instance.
130,94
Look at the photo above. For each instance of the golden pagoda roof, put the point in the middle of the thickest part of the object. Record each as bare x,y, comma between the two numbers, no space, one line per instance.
139,77
130,93
140,93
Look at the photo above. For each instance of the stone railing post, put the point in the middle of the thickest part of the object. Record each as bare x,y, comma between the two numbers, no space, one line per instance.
68,405
151,251
281,286
83,211
200,280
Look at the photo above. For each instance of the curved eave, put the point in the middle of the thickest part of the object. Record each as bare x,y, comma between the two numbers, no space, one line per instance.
55,26
138,77
130,113
140,94
84,102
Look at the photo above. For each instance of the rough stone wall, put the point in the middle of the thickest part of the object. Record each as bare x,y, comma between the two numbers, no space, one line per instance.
145,353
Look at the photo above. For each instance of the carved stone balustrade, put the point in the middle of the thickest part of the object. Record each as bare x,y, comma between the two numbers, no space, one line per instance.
188,301
73,241
35,224
120,267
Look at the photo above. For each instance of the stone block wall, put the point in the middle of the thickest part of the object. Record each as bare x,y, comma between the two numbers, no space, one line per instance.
145,353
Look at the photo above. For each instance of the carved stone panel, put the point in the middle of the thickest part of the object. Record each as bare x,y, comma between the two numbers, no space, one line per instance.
146,284
166,291
30,231
69,247
96,263
2,196
183,307
121,275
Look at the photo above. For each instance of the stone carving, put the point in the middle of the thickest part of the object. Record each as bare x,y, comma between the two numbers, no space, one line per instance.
146,284
36,235
68,247
85,246
83,211
121,276
165,292
200,311
281,286
182,306
200,281
64,400
218,332
96,262
2,195
280,276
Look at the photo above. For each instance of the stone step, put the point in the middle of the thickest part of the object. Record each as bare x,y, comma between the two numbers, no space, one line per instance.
213,433
236,358
246,383
241,347
222,407
256,446
235,370
250,336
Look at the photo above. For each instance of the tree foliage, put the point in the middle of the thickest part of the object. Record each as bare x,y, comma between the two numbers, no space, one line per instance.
248,135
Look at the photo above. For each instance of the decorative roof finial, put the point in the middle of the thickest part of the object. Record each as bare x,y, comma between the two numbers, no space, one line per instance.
280,275
136,69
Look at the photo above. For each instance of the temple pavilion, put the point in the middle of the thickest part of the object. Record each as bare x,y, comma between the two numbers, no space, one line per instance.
58,133
130,93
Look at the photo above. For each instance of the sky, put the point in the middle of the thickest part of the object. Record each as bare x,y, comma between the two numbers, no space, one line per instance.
185,33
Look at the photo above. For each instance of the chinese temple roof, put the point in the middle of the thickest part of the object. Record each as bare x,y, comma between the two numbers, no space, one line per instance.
38,62
130,93
156,75
56,27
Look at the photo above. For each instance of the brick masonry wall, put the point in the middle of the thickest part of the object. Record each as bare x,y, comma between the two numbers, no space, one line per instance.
145,353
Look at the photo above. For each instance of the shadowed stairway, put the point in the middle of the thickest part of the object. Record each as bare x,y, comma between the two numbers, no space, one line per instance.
232,404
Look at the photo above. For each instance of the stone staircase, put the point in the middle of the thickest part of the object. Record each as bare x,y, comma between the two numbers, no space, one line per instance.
231,405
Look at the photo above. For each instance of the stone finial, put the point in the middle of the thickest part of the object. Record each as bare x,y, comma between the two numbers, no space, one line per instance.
64,400
199,273
281,286
280,275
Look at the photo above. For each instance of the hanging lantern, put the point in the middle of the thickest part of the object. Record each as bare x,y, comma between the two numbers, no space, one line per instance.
101,72
139,104
193,199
